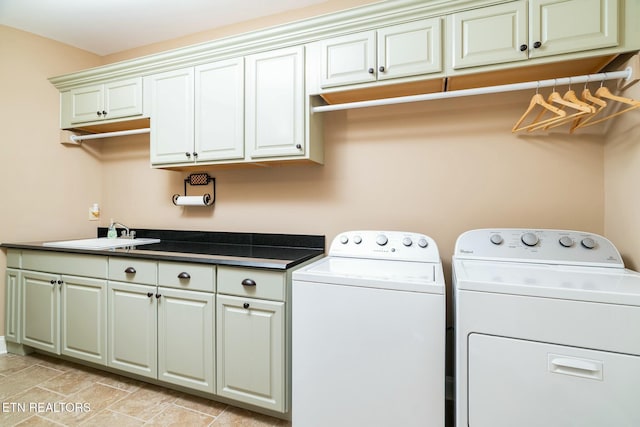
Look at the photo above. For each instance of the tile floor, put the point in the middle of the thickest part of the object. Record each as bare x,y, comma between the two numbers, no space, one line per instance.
38,390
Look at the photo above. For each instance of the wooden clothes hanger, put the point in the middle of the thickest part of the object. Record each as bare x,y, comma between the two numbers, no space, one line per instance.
555,98
603,92
568,100
597,103
538,100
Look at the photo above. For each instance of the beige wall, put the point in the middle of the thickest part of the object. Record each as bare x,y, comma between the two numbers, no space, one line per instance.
47,189
439,168
622,180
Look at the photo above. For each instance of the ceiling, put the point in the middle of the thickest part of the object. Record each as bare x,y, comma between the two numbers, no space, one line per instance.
108,26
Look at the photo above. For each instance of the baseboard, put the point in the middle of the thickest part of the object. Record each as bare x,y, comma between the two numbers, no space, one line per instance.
3,345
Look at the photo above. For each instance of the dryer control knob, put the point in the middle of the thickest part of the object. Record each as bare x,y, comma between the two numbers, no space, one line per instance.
344,240
407,241
382,240
423,243
496,239
357,240
529,239
588,243
566,241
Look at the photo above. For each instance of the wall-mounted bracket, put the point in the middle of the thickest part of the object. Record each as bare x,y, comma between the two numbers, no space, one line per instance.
204,200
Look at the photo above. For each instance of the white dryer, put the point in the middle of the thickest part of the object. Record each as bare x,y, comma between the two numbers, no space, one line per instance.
547,327
368,328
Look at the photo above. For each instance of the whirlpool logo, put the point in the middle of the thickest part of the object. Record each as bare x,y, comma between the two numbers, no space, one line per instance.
465,251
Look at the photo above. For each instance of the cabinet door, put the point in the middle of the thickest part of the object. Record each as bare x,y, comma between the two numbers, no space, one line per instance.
490,35
12,306
83,319
219,110
87,103
275,103
185,338
410,49
40,311
251,351
348,59
123,98
132,328
572,25
171,112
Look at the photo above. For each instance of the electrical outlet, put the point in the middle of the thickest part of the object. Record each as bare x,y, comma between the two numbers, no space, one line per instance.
94,212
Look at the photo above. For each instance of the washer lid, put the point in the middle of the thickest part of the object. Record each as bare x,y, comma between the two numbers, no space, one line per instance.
596,284
371,273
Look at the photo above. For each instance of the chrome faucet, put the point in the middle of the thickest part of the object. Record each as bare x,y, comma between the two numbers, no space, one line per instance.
126,233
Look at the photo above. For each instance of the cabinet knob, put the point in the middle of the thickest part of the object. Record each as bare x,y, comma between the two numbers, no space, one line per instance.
149,294
299,146
188,155
248,282
536,45
245,305
371,70
52,281
195,154
158,296
381,69
104,113
130,270
523,47
99,113
60,282
184,275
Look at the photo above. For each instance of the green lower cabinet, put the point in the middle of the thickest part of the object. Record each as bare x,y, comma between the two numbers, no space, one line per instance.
185,338
250,336
133,328
12,322
162,333
40,311
83,319
65,314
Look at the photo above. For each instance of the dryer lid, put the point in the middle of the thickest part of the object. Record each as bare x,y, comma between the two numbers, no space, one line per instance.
596,284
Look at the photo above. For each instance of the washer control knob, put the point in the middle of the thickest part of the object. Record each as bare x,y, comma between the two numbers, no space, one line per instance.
344,240
423,242
357,240
407,241
496,239
381,240
566,241
529,239
588,243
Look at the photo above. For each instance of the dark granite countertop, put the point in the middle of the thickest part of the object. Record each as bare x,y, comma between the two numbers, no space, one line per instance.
257,250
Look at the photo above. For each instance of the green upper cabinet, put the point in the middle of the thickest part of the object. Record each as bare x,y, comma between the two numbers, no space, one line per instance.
197,113
219,110
101,102
171,103
275,109
520,30
403,50
572,25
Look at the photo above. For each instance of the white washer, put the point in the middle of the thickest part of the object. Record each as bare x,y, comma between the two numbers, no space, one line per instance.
369,333
546,330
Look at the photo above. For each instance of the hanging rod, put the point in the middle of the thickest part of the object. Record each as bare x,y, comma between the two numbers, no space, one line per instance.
614,75
78,138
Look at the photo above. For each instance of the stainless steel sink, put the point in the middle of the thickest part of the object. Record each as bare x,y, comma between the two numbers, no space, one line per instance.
100,243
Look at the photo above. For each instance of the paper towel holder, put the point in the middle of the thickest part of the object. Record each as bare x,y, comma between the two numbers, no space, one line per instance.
199,179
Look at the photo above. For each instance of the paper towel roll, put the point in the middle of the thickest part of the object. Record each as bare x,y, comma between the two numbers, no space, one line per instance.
203,200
